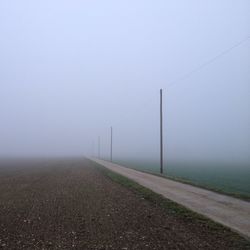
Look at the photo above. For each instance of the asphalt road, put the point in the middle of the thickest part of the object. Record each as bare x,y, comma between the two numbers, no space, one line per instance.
229,211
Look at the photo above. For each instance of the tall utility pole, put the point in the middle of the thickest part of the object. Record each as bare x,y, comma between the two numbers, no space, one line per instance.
161,134
99,147
111,144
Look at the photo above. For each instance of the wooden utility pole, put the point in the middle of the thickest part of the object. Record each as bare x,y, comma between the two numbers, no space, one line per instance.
93,149
111,144
161,134
99,147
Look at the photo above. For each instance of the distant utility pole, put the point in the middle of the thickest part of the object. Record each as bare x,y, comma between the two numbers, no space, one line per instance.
111,144
99,147
93,149
161,134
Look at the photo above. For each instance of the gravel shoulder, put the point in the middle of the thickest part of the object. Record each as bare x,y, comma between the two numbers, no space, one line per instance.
71,204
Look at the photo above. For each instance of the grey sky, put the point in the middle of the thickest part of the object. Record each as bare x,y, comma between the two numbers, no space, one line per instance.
70,69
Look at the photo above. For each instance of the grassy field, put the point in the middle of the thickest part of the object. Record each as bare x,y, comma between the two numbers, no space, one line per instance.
231,180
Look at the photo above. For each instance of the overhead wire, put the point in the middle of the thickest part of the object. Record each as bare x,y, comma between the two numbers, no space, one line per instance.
211,60
193,71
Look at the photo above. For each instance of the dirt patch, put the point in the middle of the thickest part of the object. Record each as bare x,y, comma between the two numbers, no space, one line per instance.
70,204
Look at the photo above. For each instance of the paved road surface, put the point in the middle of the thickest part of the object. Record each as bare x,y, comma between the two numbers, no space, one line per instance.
227,210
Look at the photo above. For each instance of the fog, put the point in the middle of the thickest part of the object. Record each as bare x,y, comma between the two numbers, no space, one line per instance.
71,69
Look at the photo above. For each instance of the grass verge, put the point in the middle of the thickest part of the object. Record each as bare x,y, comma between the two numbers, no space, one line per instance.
172,208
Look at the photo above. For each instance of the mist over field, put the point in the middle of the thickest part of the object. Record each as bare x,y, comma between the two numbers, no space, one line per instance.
70,70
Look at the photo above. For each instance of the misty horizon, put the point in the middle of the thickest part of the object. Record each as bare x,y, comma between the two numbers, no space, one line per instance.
70,71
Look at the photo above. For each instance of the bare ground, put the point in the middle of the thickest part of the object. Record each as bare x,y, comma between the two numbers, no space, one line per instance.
70,204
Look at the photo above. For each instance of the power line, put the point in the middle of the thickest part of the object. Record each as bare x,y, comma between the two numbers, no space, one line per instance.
190,73
211,60
193,71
